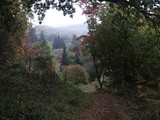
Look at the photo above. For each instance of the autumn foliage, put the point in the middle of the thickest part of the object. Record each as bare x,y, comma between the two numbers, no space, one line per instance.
27,49
76,74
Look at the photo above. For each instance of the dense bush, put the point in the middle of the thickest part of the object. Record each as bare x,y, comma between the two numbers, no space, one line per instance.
76,74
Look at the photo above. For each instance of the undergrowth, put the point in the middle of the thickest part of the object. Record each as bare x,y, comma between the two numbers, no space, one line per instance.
27,99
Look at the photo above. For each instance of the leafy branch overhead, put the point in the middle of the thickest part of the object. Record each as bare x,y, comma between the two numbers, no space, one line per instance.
149,8
40,7
15,13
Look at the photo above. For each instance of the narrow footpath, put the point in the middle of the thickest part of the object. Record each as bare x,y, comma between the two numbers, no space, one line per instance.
108,107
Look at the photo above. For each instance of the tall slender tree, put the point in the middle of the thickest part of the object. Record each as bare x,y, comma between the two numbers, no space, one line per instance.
64,60
77,57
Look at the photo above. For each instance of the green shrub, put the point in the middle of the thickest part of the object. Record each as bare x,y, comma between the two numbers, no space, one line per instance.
76,74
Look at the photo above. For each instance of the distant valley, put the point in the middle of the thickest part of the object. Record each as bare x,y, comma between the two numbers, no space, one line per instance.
66,32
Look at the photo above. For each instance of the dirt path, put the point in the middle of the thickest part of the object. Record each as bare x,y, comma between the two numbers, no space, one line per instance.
108,107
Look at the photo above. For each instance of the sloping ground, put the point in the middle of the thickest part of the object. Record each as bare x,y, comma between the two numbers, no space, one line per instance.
108,107
87,88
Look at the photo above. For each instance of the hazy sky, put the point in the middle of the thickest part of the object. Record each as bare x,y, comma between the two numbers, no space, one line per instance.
55,18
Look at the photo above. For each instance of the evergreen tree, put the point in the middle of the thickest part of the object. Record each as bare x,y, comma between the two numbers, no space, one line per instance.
45,59
58,42
74,41
64,60
77,57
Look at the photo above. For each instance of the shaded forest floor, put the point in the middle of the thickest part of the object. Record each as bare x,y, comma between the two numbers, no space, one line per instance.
110,107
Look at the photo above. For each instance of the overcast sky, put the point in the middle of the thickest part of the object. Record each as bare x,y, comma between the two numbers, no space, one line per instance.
55,18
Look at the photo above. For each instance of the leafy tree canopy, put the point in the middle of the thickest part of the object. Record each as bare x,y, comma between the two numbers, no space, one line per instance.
128,49
149,8
14,15
11,11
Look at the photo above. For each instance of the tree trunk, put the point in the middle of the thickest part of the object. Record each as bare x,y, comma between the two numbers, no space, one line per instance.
99,81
